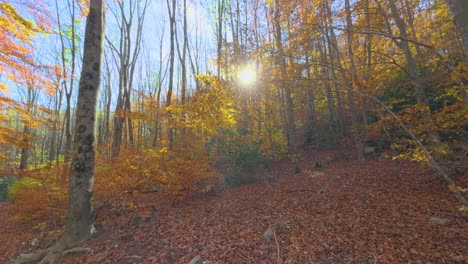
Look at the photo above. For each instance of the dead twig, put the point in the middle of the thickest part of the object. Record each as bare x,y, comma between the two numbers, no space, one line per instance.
338,258
319,193
277,245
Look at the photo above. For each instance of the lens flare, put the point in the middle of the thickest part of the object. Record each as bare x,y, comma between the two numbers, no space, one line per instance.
247,75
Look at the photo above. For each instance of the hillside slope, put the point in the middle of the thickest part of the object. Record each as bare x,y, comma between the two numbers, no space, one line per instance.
348,212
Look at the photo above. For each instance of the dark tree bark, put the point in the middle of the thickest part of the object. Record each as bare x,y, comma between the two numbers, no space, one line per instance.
25,149
80,219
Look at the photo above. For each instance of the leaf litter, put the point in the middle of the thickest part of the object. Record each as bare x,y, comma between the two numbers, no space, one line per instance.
348,212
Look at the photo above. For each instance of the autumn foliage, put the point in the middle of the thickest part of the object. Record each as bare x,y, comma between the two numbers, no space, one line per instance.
40,195
382,82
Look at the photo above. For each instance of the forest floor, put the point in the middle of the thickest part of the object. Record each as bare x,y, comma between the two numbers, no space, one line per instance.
347,212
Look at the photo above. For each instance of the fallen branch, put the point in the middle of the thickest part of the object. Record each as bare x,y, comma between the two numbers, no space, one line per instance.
434,164
278,258
320,192
299,190
338,258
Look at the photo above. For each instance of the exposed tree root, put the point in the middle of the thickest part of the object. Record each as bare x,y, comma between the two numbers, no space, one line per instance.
51,255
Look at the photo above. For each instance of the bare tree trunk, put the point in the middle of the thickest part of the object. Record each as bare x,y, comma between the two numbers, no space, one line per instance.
286,87
126,63
183,61
311,106
325,74
221,5
25,149
172,22
107,102
334,61
351,103
80,218
53,144
30,102
184,57
69,89
161,77
368,66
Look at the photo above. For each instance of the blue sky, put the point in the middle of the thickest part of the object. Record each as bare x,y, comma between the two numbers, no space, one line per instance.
156,26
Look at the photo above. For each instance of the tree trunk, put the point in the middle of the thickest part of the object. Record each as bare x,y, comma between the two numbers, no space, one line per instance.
351,103
411,69
333,62
171,66
312,114
25,149
286,87
80,218
459,11
219,35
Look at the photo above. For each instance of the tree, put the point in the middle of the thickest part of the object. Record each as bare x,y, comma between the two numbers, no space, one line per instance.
172,25
16,49
220,15
286,88
80,219
70,36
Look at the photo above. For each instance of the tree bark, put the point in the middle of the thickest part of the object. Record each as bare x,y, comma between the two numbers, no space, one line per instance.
286,87
219,35
80,218
351,103
25,149
459,11
172,24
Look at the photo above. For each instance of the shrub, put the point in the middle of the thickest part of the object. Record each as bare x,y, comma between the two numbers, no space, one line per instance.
38,196
243,163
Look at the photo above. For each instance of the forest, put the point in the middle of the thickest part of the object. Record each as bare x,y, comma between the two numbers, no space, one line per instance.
233,131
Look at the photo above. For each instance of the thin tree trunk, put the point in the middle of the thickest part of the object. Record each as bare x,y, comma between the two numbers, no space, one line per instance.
172,22
25,149
219,31
411,70
286,87
351,103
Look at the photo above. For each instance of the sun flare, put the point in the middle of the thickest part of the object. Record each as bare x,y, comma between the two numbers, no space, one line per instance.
247,75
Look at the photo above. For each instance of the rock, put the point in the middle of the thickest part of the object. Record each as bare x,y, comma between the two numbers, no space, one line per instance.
196,260
320,164
268,235
438,221
369,150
